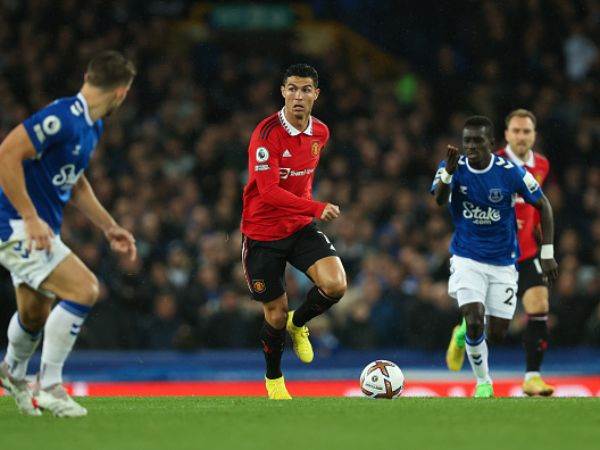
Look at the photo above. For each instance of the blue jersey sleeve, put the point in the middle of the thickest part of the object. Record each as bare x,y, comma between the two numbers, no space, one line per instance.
527,186
50,126
437,179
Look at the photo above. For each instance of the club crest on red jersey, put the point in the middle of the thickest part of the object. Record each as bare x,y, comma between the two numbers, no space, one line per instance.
315,149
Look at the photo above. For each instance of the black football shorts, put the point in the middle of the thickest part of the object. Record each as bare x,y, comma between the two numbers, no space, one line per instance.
265,261
530,275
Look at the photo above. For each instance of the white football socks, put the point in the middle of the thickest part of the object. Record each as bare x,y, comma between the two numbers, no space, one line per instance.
60,334
21,345
477,351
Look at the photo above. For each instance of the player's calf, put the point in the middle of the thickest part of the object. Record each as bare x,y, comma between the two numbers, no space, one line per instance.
22,343
316,303
60,334
34,319
495,338
475,343
273,341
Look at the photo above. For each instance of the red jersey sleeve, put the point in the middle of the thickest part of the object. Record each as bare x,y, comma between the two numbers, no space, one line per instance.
264,155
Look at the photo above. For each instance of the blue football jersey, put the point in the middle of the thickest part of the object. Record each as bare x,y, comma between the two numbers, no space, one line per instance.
482,209
64,138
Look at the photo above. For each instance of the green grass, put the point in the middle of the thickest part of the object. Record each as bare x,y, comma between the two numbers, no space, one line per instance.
309,424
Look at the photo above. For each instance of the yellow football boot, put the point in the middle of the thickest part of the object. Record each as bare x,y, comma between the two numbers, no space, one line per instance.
536,386
276,389
299,335
455,355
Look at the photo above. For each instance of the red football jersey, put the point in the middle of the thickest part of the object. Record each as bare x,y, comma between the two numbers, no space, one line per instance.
528,217
281,167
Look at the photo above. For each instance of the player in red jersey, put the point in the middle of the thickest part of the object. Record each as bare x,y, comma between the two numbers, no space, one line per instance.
277,223
520,136
533,291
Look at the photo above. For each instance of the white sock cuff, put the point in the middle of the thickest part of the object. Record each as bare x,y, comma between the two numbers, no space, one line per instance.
17,327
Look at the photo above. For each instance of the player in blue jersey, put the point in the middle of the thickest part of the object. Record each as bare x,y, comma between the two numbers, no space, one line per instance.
481,190
42,164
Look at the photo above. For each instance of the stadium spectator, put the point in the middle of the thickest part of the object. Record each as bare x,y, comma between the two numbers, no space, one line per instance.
178,155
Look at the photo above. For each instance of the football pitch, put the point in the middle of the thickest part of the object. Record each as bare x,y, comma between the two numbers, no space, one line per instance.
310,424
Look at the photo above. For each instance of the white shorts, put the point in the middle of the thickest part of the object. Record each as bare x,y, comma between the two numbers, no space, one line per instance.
494,286
30,268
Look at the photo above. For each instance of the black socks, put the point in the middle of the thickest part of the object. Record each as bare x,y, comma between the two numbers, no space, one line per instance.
316,303
272,341
535,341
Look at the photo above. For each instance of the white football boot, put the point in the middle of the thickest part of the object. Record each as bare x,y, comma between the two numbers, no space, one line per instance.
19,390
56,400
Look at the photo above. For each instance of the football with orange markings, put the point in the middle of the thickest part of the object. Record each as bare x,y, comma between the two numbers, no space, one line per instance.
382,379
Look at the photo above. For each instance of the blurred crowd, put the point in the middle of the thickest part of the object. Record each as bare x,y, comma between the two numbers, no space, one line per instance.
172,163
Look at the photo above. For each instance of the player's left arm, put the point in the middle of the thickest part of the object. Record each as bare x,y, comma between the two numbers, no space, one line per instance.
532,193
85,200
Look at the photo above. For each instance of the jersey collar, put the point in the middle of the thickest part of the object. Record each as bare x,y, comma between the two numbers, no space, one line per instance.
530,162
481,170
292,131
86,111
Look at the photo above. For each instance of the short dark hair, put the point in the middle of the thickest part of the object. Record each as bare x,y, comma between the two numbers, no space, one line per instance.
303,71
109,69
481,121
521,112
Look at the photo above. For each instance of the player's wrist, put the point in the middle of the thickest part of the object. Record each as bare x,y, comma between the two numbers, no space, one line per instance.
108,227
318,210
547,251
445,176
28,217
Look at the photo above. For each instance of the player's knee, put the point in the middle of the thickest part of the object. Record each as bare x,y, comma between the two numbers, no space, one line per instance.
535,300
276,315
334,287
89,291
536,306
475,326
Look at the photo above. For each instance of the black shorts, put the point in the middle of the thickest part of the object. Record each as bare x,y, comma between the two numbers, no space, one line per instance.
530,275
265,261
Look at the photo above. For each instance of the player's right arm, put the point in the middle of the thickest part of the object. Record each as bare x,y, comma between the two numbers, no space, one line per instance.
16,148
442,184
264,162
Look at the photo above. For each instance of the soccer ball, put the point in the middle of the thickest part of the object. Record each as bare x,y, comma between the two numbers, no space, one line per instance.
382,379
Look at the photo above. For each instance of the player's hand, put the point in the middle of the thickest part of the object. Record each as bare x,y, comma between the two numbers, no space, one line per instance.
39,234
452,156
550,269
330,212
121,241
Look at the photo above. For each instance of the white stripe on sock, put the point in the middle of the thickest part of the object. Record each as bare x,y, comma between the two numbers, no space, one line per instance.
60,334
478,357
